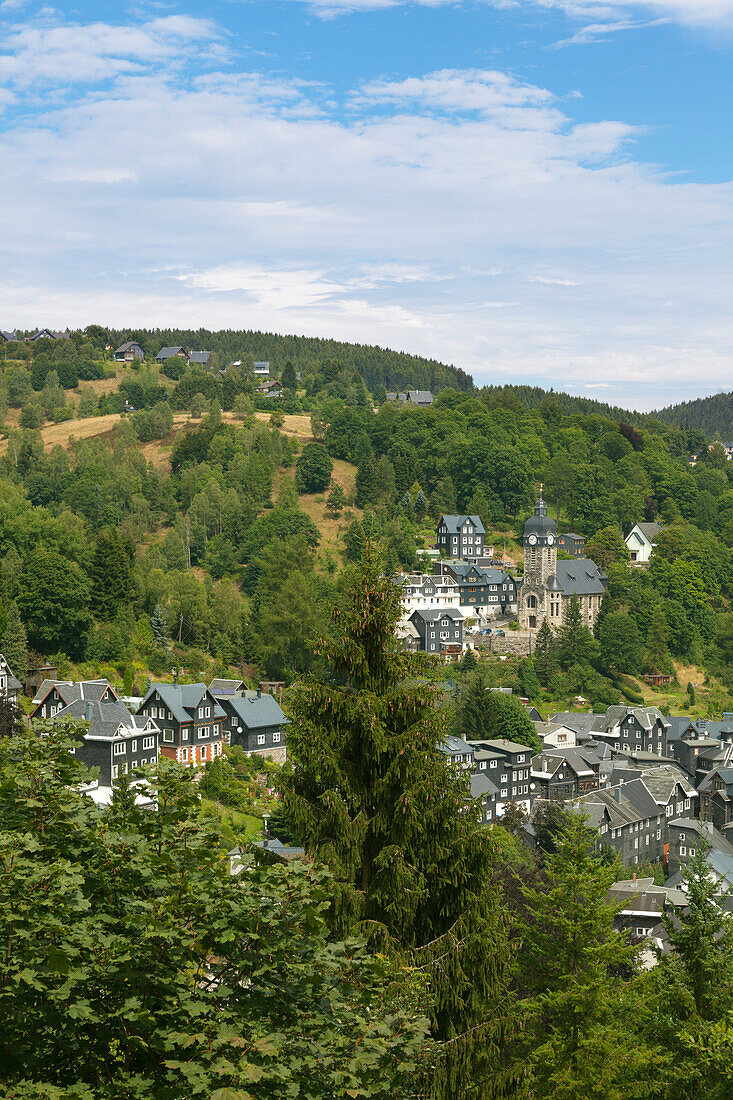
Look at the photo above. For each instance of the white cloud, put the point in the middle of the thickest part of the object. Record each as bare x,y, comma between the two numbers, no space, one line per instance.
462,215
604,13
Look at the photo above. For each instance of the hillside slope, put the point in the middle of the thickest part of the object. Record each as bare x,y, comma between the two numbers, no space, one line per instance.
711,415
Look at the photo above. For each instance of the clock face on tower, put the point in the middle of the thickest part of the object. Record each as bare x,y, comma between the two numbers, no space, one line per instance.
550,540
532,540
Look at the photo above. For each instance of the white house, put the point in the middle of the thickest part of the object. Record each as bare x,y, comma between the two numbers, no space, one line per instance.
9,685
424,592
641,541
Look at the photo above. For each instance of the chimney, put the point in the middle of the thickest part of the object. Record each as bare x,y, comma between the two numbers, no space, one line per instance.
88,709
259,693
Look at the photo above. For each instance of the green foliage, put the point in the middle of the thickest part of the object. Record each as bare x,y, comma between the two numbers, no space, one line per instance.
313,469
53,598
14,642
483,714
110,572
129,971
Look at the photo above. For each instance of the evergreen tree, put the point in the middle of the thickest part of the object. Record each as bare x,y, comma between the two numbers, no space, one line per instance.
575,645
378,805
368,488
287,378
336,500
159,628
14,643
577,1044
110,573
545,661
482,715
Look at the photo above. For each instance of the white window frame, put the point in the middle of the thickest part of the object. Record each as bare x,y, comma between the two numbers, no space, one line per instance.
168,737
148,743
276,737
118,749
115,771
261,739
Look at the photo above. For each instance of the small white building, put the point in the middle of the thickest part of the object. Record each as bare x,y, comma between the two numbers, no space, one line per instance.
641,541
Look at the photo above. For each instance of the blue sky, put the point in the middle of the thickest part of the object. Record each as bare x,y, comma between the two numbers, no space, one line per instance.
536,191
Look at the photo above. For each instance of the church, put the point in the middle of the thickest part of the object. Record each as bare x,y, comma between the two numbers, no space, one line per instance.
548,584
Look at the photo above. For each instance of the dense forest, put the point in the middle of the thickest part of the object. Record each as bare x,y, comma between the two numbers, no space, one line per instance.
712,415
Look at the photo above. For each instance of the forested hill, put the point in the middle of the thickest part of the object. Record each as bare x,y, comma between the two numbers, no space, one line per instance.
395,370
531,397
711,415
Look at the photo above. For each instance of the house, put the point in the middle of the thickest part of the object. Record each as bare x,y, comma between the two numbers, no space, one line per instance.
572,544
508,765
633,729
49,334
571,727
422,398
485,589
128,351
641,541
7,337
35,676
116,741
54,696
716,799
262,370
170,353
272,388
190,720
10,686
458,751
697,753
199,357
548,585
460,536
485,793
686,835
561,775
423,590
253,720
440,630
640,910
632,815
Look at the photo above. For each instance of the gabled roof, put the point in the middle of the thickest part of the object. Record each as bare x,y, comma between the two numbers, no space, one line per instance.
168,353
256,711
430,615
580,577
453,746
454,523
71,690
219,686
645,716
420,397
106,720
504,746
201,357
182,700
481,785
127,346
649,531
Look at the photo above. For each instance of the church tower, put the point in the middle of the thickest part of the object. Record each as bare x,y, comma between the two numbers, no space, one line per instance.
540,565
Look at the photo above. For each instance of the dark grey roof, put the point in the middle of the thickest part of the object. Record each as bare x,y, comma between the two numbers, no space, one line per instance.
648,530
454,746
168,353
201,357
225,687
504,746
572,535
6,336
420,397
580,577
70,690
454,523
277,848
540,523
256,711
481,785
182,699
431,614
127,346
105,719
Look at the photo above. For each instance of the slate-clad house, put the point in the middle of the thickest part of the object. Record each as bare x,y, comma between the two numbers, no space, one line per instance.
716,799
508,766
199,357
486,793
171,353
49,334
54,695
253,720
561,775
441,630
458,751
490,591
190,721
116,741
10,685
128,351
634,729
572,544
686,834
460,536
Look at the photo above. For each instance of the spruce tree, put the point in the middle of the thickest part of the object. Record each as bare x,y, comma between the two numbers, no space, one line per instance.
159,627
545,660
571,962
576,645
110,573
377,803
14,643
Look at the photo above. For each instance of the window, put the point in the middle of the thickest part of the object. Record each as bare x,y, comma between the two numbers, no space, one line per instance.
184,754
260,738
208,712
683,850
669,810
153,712
134,746
520,759
504,792
184,735
687,803
692,852
148,742
168,736
659,834
504,778
119,748
200,712
134,764
492,763
636,842
276,737
114,771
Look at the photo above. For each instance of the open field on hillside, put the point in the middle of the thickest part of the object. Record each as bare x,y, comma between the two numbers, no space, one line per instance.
314,504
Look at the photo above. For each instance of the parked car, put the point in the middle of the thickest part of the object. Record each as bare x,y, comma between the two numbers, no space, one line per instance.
500,634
